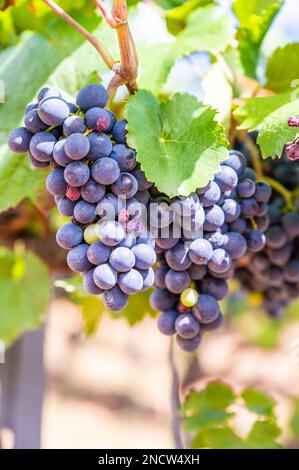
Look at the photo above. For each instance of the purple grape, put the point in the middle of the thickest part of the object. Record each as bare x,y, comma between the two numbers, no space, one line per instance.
91,96
69,236
55,182
105,171
114,299
105,276
92,191
73,125
98,253
77,258
76,174
84,212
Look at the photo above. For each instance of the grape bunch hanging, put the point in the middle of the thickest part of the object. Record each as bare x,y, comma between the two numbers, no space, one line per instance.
187,247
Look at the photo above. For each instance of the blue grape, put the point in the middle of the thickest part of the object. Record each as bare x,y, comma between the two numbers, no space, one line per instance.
76,174
33,123
166,322
59,154
262,223
111,233
263,192
214,218
92,191
214,325
143,183
91,96
73,125
98,253
239,225
160,274
114,299
36,163
217,288
76,146
105,171
249,173
89,284
197,271
108,206
203,190
148,277
125,186
48,92
66,206
31,106
77,258
231,209
280,256
130,282
162,299
290,223
276,237
200,251
246,188
53,111
124,156
69,236
129,240
177,281
178,257
105,276
73,108
220,261
256,240
186,206
42,146
291,271
216,239
122,259
211,196
227,178
249,207
119,131
235,244
186,326
189,344
167,242
112,120
84,212
262,209
207,309
55,182
100,146
98,119
145,256
236,161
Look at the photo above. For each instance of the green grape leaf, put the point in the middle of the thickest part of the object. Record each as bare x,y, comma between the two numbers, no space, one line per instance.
218,438
283,68
179,144
258,402
25,293
176,17
255,19
294,422
269,115
263,435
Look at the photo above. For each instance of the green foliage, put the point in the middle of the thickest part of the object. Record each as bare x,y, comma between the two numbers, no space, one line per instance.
25,292
283,68
208,416
179,144
294,422
270,115
255,18
176,17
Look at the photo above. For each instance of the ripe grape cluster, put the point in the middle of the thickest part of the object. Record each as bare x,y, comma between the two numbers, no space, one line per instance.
96,181
223,222
274,272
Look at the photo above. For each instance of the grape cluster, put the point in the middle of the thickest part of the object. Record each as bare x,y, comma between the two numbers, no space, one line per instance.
222,222
274,272
96,181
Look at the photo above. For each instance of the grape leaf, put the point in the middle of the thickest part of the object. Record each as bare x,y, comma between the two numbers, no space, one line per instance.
179,144
176,17
258,402
283,68
25,292
269,115
263,435
255,19
218,438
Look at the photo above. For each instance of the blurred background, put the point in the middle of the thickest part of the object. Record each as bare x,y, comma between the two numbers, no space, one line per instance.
104,381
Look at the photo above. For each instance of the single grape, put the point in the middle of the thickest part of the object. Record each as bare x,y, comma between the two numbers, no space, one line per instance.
162,299
73,125
263,192
92,191
235,244
36,163
76,173
129,240
69,236
178,257
217,288
111,233
91,96
119,131
220,261
59,154
122,259
124,156
89,284
53,111
125,186
231,210
33,123
160,274
42,146
55,182
98,253
290,223
189,345
262,209
30,106
177,281
166,322
186,326
48,92
207,309
100,146
214,325
249,207
145,256
246,188
73,108
65,206
105,276
98,119
91,234
130,282
105,171
276,237
227,178
214,218
76,146
77,258
256,240
148,277
239,225
211,196
236,161
73,193
197,271
114,299
291,271
189,297
216,239
200,251
262,223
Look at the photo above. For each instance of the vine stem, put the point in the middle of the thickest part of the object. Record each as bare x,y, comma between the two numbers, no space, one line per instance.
254,153
175,400
107,58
